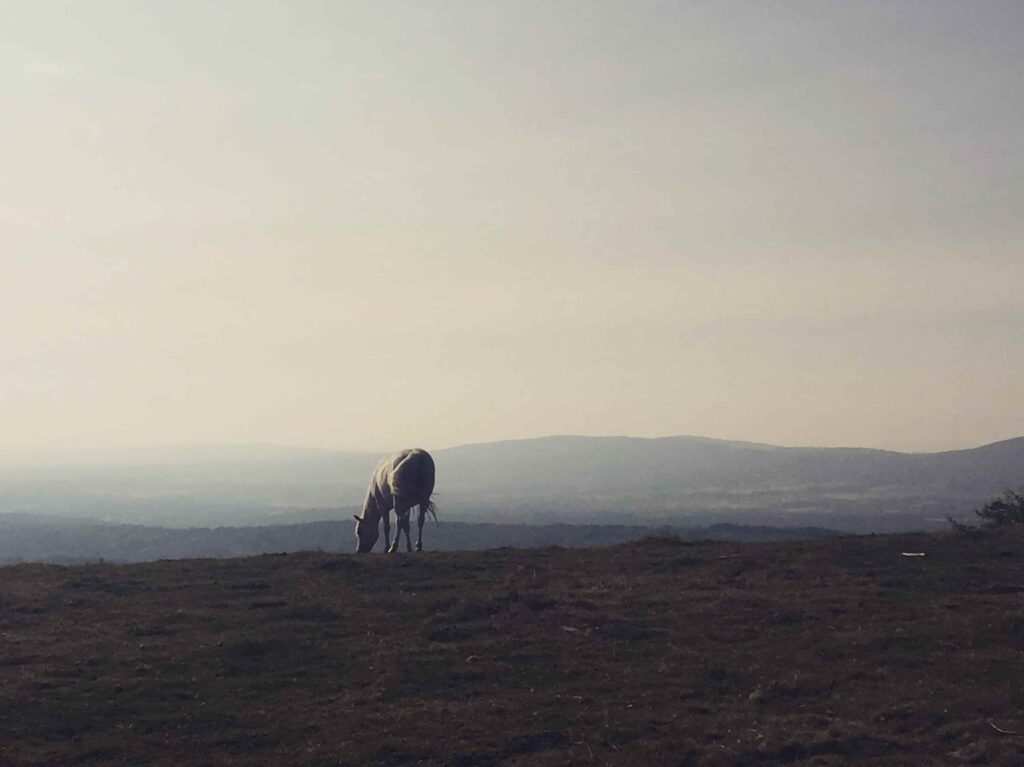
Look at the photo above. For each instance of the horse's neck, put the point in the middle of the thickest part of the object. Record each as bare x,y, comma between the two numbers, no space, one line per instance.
378,496
371,510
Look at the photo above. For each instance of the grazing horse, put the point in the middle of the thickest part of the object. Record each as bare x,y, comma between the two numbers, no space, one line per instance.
400,482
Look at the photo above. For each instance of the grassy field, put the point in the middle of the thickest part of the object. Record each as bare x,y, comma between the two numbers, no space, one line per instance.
662,652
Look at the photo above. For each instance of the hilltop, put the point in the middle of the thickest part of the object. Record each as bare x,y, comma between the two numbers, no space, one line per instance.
661,652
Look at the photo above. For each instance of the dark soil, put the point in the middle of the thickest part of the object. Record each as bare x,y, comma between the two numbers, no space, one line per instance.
664,653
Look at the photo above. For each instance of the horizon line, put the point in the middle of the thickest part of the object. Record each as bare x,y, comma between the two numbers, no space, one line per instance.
38,452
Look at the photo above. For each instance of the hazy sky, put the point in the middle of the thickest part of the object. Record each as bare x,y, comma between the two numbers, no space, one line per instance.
372,225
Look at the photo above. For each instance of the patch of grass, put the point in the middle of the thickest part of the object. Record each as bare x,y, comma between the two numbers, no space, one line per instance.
313,613
641,654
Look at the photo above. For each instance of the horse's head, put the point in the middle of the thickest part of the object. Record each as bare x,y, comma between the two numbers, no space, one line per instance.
366,534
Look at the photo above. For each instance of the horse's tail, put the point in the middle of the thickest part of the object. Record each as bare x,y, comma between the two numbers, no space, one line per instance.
432,511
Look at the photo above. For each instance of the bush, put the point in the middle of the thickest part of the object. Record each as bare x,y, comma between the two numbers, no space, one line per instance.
1005,510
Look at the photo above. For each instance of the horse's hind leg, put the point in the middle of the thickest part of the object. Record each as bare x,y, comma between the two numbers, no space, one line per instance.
420,517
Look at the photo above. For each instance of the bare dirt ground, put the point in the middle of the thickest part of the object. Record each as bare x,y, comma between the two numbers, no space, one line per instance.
664,653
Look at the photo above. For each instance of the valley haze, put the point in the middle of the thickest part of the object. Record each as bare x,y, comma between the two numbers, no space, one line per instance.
619,486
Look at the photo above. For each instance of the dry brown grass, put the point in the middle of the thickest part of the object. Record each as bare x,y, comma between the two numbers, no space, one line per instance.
826,653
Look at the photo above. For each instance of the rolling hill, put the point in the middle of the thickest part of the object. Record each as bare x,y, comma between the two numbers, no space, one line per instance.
608,480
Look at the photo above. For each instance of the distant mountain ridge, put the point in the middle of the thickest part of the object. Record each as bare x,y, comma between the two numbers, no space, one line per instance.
702,463
620,480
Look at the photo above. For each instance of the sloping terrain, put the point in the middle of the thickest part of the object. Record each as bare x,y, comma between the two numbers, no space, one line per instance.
660,652
25,538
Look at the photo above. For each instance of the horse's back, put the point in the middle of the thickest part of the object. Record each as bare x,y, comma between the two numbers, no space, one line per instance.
412,475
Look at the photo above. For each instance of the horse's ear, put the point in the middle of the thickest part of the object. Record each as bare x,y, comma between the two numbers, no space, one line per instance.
358,518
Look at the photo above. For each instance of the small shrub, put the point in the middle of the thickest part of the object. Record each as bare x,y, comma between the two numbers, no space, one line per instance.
1005,510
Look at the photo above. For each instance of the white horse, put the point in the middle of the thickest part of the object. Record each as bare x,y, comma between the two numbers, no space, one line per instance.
400,482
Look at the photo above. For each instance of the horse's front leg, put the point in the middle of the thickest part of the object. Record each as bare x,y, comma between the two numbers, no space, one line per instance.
387,530
393,548
405,527
402,523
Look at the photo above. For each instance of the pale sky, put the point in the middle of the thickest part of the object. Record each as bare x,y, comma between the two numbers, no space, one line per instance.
384,224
